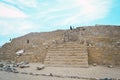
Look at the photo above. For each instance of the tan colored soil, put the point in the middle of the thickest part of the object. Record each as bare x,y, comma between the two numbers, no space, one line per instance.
91,72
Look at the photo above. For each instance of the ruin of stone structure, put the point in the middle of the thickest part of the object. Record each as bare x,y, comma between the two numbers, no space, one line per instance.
84,45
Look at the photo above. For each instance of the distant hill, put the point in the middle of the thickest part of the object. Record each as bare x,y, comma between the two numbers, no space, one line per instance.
103,43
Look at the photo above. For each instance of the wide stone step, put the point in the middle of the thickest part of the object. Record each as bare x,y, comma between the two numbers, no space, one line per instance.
66,60
71,46
67,63
74,44
71,55
67,49
76,47
67,56
67,52
70,64
63,65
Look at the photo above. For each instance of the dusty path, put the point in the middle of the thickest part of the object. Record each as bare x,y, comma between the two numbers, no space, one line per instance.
12,76
61,73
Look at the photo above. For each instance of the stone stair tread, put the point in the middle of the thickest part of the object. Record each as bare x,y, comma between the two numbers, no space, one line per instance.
70,63
73,51
63,59
76,47
66,59
66,53
77,66
69,54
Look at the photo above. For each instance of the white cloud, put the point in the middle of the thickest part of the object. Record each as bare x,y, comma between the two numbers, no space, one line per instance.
95,9
16,28
11,1
66,12
48,13
29,3
87,11
10,12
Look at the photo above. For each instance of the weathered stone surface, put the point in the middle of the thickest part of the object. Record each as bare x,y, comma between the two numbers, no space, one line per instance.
23,64
20,52
94,64
110,66
41,67
7,68
69,54
1,65
103,44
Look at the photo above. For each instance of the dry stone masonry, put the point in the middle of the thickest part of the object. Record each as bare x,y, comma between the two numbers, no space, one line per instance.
102,42
69,54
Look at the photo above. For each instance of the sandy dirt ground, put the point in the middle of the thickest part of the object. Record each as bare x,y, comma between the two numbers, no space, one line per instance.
61,73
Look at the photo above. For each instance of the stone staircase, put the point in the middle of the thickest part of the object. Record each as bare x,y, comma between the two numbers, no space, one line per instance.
69,54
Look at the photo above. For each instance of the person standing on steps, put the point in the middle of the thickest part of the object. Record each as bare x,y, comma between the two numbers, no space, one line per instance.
71,28
10,39
27,41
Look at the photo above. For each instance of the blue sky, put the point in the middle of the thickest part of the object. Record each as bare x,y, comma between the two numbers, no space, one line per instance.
19,17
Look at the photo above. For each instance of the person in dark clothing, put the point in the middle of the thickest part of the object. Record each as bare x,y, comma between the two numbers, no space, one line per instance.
27,41
71,28
10,39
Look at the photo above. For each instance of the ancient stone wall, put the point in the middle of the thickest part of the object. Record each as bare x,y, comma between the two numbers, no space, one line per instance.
103,44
